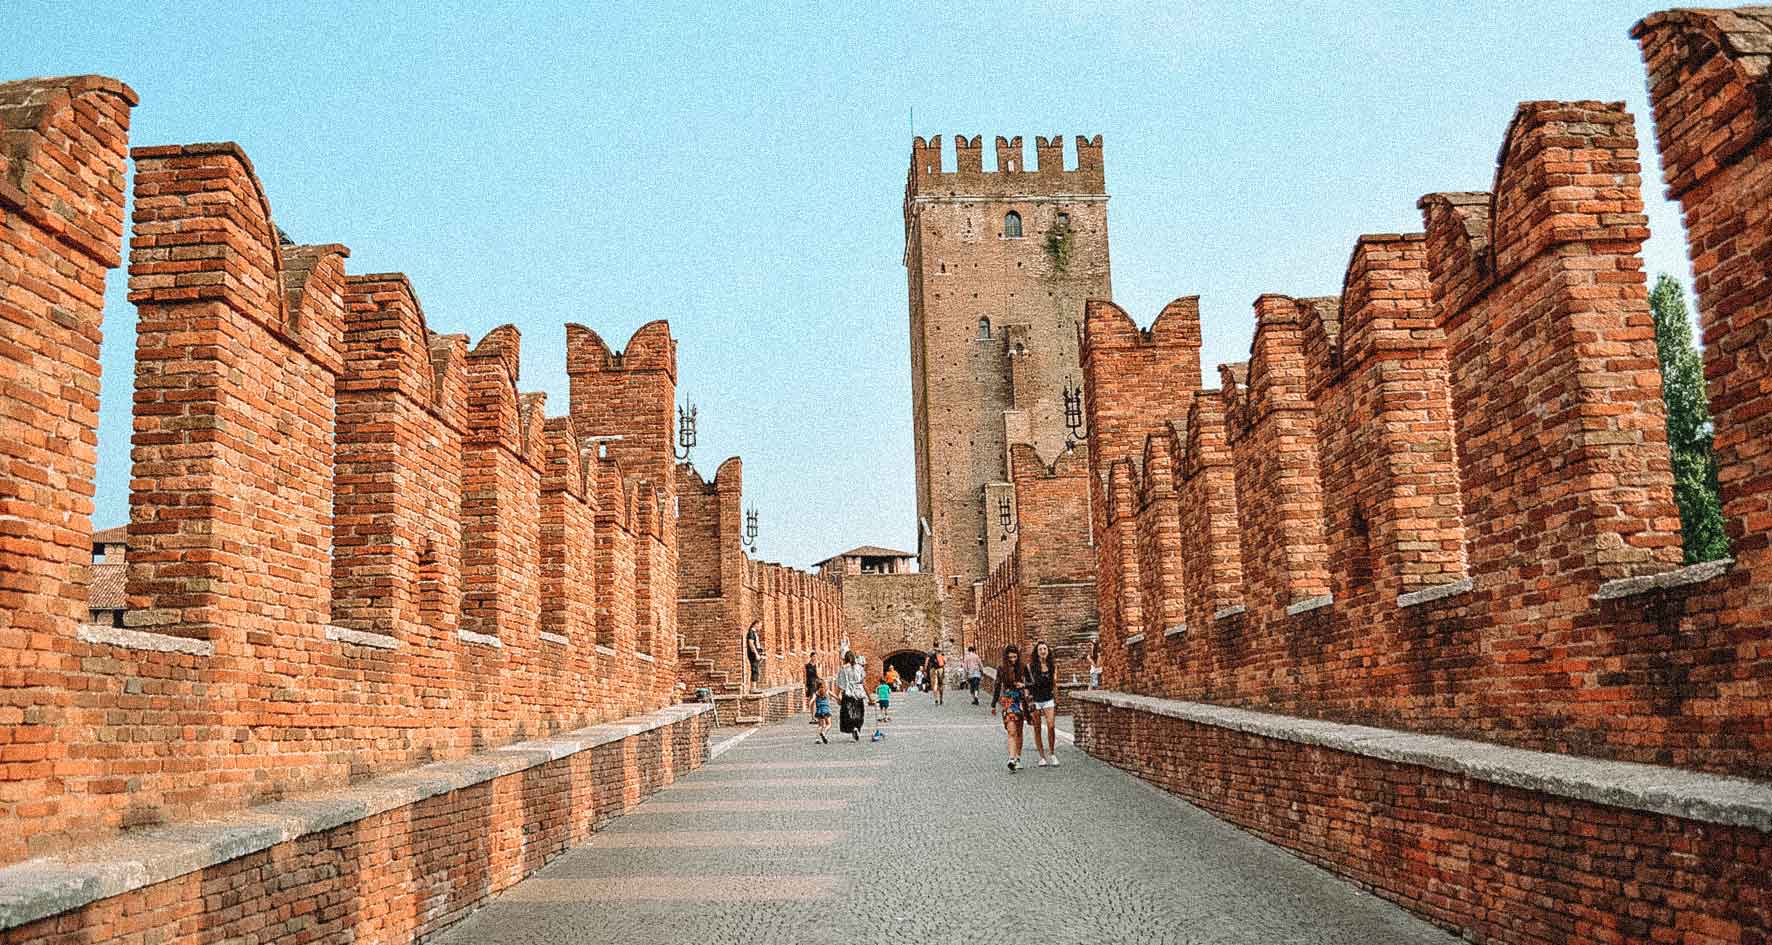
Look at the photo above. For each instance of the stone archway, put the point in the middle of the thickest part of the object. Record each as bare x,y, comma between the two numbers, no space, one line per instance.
907,662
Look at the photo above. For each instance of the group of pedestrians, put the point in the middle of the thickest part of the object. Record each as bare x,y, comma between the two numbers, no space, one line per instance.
1025,694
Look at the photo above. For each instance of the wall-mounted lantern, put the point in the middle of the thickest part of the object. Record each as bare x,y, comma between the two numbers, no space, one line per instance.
685,433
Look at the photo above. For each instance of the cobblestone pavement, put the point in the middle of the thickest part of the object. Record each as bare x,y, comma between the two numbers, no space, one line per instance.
926,837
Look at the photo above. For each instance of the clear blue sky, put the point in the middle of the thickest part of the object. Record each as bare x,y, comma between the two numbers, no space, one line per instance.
739,170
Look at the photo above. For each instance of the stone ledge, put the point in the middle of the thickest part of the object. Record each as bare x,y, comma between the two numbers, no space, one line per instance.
47,886
479,639
380,641
1679,577
646,657
555,638
144,640
1309,604
606,651
1430,594
1691,795
1133,640
1179,629
1225,613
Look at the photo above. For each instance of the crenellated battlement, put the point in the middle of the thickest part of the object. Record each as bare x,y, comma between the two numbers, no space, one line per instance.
929,177
1449,479
336,513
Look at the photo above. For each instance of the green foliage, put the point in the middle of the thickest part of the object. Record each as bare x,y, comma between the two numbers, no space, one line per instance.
1058,246
1688,425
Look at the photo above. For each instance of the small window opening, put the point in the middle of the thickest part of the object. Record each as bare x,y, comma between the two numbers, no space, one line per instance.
1064,221
984,329
430,586
1359,570
1012,225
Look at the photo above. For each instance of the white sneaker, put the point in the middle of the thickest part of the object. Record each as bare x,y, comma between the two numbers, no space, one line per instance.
1042,761
1054,759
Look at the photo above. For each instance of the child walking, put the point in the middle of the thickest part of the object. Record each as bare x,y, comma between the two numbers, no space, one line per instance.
884,694
821,710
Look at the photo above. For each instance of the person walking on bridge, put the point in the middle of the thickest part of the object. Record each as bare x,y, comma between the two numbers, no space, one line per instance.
1044,704
811,678
1011,696
852,688
937,665
974,672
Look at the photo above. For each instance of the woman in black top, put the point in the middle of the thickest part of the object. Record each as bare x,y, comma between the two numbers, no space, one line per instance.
1011,696
1044,704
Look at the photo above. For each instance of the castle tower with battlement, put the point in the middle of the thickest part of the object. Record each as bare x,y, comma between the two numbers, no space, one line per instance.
999,263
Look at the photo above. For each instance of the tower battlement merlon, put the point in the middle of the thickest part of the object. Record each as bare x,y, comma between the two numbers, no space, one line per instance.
1048,176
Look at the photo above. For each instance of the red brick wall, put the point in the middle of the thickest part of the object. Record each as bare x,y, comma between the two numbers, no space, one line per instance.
1707,82
325,495
632,394
397,876
1491,862
723,590
1481,401
1129,379
61,223
1273,438
974,397
1044,590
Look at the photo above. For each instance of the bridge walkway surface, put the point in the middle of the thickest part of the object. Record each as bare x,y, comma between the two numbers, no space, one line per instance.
925,836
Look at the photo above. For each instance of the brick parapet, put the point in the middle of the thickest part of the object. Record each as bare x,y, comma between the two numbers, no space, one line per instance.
723,590
1379,379
1563,626
1495,844
401,858
1556,313
1272,432
63,154
928,176
323,487
1129,375
1710,88
1044,589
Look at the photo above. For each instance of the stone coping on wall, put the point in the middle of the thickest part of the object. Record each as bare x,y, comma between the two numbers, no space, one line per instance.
46,886
1690,795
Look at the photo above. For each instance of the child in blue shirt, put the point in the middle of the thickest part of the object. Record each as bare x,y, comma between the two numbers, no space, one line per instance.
884,694
821,709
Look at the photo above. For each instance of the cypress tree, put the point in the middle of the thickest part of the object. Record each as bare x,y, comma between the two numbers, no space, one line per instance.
1688,425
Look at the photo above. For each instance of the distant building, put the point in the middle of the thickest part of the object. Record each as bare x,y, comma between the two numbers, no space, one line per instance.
104,601
867,559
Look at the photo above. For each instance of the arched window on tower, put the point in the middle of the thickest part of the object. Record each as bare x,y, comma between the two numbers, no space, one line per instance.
1012,225
984,329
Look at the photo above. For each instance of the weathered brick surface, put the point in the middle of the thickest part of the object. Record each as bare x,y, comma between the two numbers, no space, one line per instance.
398,876
63,146
1492,862
1383,445
1273,438
887,613
994,320
1131,379
355,545
723,590
627,399
1708,82
1045,589
1454,513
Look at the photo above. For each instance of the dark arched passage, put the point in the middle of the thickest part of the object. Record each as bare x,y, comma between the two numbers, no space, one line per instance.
907,662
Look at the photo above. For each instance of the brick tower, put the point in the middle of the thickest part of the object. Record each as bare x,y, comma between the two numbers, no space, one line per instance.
999,263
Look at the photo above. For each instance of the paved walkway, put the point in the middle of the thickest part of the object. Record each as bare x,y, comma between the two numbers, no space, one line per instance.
925,837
